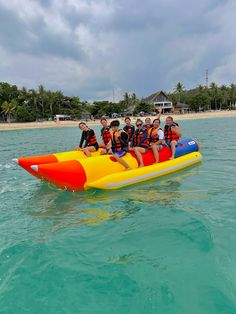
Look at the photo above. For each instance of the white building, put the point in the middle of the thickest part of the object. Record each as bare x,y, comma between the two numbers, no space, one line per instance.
160,101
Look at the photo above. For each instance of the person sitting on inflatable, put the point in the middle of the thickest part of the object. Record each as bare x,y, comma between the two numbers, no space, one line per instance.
172,133
156,138
119,143
88,135
148,124
140,141
129,129
105,134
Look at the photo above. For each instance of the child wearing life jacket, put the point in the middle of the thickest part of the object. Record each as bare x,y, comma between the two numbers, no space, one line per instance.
88,136
156,138
172,133
119,143
140,141
105,134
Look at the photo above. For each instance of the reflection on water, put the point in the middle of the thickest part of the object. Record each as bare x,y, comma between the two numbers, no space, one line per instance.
61,209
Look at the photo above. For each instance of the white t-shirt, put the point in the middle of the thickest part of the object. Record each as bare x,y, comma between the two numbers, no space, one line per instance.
160,134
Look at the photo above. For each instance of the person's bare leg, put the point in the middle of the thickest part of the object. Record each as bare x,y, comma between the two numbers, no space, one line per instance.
121,161
88,150
138,151
173,144
155,153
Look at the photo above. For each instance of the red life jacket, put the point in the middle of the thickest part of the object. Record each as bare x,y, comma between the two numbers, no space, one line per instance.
170,135
117,142
92,140
153,136
138,136
106,135
129,129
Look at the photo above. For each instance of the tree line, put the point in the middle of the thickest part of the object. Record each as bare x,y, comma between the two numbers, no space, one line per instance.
27,105
204,98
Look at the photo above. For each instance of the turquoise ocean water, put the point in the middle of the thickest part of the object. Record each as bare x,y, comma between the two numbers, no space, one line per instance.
165,246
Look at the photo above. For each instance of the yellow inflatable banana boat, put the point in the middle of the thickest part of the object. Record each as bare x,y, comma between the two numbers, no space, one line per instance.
73,171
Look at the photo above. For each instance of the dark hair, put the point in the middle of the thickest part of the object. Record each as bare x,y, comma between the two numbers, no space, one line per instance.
82,123
138,121
103,119
169,117
127,118
157,120
115,123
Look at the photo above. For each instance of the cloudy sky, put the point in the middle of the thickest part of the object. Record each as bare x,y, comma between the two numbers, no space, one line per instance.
90,47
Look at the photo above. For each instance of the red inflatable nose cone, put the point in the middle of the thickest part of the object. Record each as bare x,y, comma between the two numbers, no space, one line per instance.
68,175
27,162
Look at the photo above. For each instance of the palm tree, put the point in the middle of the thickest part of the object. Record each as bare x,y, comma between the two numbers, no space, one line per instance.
179,88
41,96
8,108
225,96
232,95
134,102
214,93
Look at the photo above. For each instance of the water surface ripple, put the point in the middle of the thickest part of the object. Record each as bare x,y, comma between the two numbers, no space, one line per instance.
165,246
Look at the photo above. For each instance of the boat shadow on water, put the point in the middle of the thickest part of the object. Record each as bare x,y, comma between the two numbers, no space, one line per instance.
60,209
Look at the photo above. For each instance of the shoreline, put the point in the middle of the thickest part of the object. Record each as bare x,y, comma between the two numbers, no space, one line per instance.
52,124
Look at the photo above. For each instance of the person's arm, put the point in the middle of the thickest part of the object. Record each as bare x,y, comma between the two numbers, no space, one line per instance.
90,135
133,130
159,113
145,135
81,140
161,137
132,140
177,130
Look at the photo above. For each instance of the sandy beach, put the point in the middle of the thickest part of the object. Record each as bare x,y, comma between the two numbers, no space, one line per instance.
52,124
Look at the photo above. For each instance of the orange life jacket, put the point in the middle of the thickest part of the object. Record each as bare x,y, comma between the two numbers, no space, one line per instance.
170,135
148,127
153,136
106,135
117,142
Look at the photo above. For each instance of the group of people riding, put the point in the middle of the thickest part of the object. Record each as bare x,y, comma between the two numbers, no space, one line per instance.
118,141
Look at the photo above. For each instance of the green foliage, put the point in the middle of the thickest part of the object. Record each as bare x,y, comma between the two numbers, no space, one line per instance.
23,114
143,106
202,98
33,104
9,108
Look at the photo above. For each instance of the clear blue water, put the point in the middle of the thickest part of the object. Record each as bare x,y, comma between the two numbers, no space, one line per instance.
166,246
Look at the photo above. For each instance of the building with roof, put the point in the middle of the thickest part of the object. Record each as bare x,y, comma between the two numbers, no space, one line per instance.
160,100
181,108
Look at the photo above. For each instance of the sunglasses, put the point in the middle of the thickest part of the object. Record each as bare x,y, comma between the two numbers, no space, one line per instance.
139,124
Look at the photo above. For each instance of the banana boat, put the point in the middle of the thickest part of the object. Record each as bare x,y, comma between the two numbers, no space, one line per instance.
104,172
27,162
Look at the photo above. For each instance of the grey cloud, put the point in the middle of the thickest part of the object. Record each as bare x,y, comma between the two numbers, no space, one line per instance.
90,47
